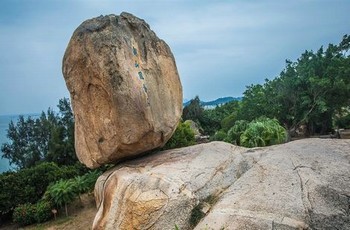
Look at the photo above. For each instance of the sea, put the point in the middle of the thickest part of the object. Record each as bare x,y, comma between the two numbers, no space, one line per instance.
4,125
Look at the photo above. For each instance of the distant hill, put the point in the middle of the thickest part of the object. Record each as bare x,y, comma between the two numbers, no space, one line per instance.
219,101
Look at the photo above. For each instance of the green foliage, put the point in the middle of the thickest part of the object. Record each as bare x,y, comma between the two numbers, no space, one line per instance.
219,136
182,137
47,138
343,121
228,122
234,134
26,214
263,132
212,119
193,111
310,91
85,183
29,185
90,179
61,193
43,211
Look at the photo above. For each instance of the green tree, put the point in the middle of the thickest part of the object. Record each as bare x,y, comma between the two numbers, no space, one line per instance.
28,185
61,193
234,134
219,117
182,137
193,111
47,138
313,91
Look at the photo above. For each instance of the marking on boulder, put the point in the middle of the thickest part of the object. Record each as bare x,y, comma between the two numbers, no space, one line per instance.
134,51
141,76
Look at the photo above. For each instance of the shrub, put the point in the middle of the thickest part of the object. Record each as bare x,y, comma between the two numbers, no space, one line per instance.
228,122
182,137
26,214
343,122
85,183
61,193
43,211
219,136
234,134
263,132
91,178
29,185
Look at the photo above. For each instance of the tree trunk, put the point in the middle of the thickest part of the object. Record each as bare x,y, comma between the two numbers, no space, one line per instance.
65,206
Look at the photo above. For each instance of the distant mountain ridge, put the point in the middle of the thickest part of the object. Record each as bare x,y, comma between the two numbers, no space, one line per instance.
219,101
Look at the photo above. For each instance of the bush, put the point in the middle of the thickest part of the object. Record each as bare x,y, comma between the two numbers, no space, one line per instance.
29,185
61,193
26,214
343,122
85,183
263,132
182,137
234,134
43,211
91,178
228,122
219,136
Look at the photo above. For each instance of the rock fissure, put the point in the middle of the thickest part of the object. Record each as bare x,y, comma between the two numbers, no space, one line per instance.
304,193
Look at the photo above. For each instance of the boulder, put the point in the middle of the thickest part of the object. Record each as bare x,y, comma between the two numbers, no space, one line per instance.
303,184
161,190
125,89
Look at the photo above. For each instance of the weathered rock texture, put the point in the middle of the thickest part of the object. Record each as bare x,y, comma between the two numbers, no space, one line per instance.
303,184
125,88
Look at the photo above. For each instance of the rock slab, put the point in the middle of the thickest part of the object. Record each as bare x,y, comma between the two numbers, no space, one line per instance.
303,184
125,89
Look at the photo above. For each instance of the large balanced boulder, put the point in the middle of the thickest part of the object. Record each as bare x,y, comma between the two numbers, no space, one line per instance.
303,184
125,89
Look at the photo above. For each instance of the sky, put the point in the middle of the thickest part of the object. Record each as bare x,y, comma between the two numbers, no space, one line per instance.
220,47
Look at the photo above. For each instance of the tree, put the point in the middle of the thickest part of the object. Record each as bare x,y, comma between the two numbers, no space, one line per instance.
182,137
61,193
234,134
47,138
193,111
313,91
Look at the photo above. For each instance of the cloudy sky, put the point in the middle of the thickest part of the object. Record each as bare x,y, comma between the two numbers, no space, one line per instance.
219,46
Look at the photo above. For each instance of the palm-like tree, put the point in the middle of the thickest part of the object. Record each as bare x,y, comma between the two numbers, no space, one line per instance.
62,193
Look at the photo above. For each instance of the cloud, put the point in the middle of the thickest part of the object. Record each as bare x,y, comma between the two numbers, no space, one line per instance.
220,46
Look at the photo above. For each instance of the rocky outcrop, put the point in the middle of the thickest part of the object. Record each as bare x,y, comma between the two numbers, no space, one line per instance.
125,89
303,184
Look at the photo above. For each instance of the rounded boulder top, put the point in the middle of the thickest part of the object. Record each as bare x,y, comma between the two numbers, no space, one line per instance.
125,89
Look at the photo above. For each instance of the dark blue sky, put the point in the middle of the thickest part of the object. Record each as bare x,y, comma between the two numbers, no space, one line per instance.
219,46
